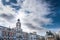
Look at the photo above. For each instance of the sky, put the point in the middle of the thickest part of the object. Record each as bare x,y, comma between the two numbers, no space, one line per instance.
35,15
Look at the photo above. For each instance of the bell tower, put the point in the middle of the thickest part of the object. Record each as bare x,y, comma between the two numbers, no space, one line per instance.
19,32
18,24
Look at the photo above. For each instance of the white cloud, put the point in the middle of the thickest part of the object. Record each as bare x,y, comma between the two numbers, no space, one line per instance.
36,16
7,10
7,0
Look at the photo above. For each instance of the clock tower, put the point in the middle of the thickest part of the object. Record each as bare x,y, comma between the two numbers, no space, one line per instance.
19,33
18,24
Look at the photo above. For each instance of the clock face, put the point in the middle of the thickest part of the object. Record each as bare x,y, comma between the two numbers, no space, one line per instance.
18,24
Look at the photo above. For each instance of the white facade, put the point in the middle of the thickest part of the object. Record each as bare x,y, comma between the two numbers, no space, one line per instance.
16,33
32,36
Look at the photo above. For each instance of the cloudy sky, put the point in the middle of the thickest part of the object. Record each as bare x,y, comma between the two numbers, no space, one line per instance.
35,15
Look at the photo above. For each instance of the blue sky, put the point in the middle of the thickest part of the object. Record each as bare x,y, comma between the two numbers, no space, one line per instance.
35,15
56,13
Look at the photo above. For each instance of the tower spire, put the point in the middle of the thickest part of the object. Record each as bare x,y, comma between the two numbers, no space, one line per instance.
18,20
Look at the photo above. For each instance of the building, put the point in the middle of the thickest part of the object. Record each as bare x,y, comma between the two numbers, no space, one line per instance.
11,34
58,35
32,36
50,36
19,32
6,33
40,37
25,36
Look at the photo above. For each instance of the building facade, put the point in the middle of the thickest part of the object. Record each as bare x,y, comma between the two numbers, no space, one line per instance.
7,33
32,36
25,36
50,36
17,33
